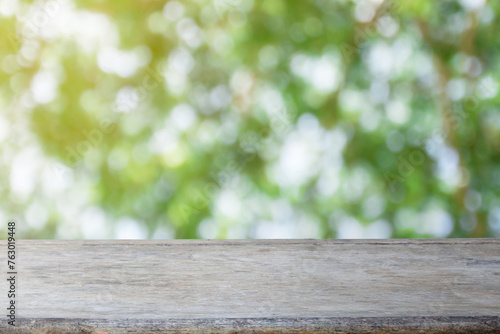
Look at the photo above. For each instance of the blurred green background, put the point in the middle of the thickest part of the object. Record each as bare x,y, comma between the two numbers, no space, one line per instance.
250,119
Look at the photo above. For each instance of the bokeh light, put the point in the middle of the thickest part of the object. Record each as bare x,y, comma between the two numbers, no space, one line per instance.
250,119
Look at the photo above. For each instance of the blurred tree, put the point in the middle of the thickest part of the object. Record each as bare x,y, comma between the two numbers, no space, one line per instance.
239,118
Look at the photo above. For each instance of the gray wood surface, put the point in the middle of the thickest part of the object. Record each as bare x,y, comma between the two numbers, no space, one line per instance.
256,286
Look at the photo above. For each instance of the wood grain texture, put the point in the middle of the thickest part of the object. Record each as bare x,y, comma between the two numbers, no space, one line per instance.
257,286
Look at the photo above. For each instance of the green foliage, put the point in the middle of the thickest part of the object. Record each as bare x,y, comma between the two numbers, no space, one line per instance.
243,118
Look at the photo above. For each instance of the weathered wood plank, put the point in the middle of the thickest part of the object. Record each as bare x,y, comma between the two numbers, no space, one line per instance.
271,286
